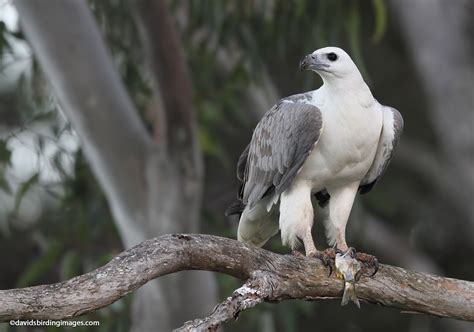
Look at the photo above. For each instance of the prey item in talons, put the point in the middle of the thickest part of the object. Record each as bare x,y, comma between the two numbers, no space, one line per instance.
347,269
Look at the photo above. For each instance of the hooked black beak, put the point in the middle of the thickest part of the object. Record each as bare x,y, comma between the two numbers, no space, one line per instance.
304,63
312,62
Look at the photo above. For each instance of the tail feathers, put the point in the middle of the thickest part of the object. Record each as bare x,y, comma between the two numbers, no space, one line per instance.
350,294
257,226
236,207
257,232
258,240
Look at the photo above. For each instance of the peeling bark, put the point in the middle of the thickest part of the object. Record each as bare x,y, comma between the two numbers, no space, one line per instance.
253,292
274,278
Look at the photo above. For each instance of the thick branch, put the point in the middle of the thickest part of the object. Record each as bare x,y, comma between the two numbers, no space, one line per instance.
288,277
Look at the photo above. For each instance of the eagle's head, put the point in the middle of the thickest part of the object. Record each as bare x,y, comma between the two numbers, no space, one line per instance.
330,62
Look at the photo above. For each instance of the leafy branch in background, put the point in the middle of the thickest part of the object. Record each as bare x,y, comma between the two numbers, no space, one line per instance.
258,35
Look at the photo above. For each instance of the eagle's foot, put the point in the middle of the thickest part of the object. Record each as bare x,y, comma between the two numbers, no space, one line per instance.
296,253
327,257
369,262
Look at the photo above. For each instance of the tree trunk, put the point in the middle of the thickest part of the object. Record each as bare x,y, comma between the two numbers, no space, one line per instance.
439,38
152,188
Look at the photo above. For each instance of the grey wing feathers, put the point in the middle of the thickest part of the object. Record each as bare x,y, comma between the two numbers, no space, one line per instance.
242,163
237,206
280,144
389,138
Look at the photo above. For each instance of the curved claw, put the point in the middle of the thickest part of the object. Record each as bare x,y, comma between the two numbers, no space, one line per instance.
369,261
330,256
326,258
353,252
331,267
376,267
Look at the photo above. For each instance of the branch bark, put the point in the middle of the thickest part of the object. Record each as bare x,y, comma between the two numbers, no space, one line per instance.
253,292
272,277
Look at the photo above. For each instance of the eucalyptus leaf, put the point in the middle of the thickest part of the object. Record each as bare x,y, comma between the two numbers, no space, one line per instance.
353,30
4,185
380,24
5,153
24,189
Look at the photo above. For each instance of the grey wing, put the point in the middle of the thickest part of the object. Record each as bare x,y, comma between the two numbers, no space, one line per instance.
242,164
237,206
280,145
391,131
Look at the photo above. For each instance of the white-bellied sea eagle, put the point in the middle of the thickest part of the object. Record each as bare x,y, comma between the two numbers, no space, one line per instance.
331,142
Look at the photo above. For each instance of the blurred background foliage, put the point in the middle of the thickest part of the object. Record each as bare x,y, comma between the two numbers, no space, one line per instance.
55,222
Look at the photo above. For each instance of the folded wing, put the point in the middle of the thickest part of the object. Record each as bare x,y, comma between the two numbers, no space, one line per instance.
391,131
280,145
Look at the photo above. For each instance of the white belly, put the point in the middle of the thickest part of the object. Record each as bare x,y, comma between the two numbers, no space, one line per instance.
346,147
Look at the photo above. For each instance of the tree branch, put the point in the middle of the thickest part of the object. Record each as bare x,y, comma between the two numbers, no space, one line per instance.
273,278
253,292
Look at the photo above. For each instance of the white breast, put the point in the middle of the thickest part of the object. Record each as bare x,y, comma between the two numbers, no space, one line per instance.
347,145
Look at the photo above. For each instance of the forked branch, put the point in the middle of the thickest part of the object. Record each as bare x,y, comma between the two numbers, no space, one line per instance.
253,292
270,277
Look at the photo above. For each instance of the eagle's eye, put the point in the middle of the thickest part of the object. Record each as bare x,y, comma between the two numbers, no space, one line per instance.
332,56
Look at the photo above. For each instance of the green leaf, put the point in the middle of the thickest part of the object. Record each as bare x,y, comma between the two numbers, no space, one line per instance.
24,189
5,153
211,148
4,185
353,31
55,193
44,116
380,20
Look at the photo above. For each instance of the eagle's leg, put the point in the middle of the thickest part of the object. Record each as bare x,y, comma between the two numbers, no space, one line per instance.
309,247
296,218
336,216
338,211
